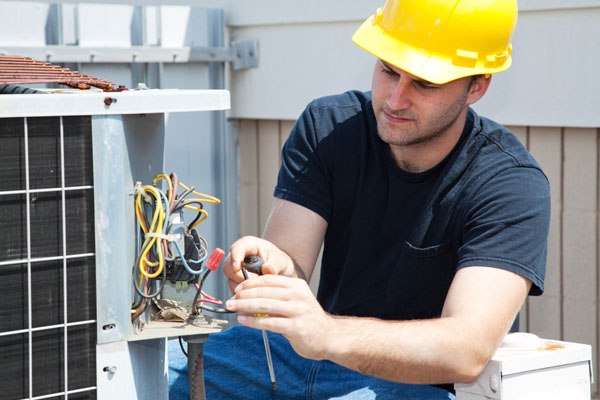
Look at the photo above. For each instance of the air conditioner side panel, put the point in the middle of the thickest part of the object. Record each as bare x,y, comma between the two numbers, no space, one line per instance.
126,149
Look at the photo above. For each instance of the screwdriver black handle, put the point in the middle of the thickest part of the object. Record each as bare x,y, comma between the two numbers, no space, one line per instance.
253,264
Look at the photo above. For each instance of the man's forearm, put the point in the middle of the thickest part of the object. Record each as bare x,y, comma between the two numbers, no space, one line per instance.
421,351
479,309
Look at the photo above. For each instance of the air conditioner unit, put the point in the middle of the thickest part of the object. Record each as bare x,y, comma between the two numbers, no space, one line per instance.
526,367
69,163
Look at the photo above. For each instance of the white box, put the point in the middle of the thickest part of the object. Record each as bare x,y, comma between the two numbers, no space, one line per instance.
549,370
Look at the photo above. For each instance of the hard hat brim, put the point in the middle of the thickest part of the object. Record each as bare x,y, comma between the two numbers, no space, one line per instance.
419,62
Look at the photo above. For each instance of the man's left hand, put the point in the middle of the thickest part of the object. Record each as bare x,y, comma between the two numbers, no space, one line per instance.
290,308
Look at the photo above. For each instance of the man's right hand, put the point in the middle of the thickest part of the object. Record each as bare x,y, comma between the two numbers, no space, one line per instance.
276,262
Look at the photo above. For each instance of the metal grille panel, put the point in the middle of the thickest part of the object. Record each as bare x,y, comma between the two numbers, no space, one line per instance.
47,259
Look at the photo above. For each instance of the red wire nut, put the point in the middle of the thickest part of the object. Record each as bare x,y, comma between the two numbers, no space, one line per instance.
215,259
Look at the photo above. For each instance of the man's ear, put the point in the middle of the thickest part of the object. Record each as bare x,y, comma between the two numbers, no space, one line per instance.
479,85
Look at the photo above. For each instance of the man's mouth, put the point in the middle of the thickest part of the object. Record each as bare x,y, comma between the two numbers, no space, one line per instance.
396,119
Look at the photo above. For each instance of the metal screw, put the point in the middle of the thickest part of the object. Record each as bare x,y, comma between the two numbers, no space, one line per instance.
494,383
110,369
109,100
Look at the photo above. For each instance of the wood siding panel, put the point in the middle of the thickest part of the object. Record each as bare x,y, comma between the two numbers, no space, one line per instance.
260,144
249,225
248,153
268,166
545,314
248,145
521,133
580,241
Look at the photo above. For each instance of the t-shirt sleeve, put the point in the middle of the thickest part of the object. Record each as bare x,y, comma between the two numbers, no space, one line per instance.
507,225
305,175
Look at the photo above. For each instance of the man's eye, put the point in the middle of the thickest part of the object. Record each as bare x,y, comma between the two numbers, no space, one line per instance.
388,71
426,85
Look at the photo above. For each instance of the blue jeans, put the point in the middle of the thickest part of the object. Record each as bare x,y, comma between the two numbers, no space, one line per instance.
235,367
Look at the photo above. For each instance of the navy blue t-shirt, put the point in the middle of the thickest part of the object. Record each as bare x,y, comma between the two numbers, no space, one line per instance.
395,239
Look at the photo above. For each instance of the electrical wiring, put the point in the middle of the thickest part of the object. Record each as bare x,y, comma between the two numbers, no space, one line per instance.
197,303
158,290
181,346
182,198
161,256
201,213
184,262
211,301
207,198
156,229
204,294
215,310
199,292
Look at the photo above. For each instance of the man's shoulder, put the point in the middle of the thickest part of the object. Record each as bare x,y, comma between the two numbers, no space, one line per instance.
353,99
344,113
501,143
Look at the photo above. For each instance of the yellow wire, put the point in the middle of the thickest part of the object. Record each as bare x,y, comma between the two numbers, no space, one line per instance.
141,281
170,188
156,226
201,211
206,197
138,212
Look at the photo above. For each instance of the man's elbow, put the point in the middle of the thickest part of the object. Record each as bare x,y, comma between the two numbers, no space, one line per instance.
470,366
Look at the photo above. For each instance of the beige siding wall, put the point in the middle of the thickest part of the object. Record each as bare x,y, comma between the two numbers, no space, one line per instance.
568,310
260,148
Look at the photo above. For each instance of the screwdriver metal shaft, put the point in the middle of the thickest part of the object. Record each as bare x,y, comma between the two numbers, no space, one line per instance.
252,263
269,359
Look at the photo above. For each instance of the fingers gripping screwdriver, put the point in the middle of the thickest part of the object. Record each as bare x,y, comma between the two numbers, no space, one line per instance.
254,264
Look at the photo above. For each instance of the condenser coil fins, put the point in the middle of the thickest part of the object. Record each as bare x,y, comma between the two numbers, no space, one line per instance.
47,262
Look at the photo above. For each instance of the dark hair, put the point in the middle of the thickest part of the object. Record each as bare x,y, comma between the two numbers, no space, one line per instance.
474,78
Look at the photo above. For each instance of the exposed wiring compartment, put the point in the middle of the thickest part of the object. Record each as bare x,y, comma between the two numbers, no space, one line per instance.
172,254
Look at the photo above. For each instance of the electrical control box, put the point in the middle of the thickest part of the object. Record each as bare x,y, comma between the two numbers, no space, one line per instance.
526,367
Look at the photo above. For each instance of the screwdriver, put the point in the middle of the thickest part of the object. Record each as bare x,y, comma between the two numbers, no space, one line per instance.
254,264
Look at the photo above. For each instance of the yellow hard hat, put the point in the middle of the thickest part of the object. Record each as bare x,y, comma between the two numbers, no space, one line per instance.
441,40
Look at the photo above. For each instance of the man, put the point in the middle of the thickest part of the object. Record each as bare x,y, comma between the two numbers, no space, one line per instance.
434,222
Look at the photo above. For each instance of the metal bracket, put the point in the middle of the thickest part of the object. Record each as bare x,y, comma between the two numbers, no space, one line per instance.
245,54
242,54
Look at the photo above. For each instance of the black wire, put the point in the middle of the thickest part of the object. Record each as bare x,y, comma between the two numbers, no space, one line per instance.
145,206
182,206
161,285
181,345
181,197
202,306
212,309
198,215
216,310
199,291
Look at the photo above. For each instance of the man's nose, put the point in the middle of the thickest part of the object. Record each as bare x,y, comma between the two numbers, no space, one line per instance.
400,95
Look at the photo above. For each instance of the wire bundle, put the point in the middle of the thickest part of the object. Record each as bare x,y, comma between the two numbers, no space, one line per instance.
160,251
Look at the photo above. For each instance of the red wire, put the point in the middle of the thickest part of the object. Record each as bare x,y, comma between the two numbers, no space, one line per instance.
208,296
212,301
